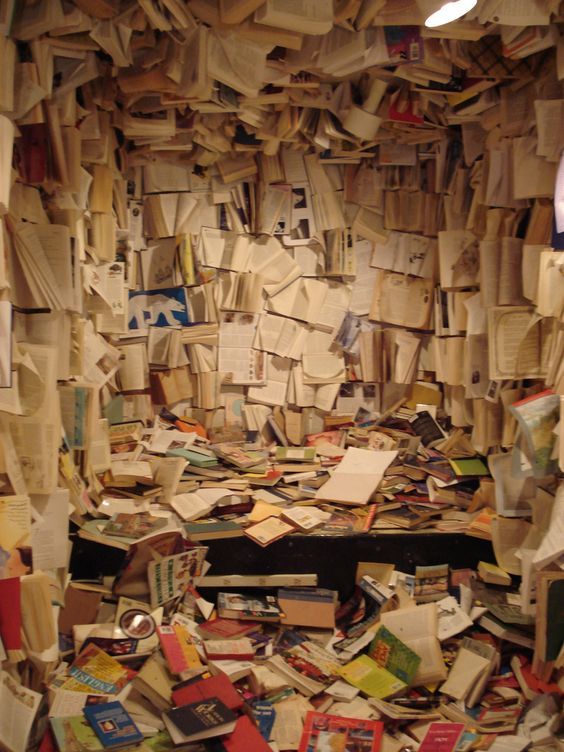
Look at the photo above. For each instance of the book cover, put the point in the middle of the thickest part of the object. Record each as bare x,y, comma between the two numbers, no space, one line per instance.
324,732
307,607
200,720
94,669
442,737
74,732
134,525
218,686
179,650
112,724
170,576
245,738
394,655
375,681
239,606
213,529
221,628
269,530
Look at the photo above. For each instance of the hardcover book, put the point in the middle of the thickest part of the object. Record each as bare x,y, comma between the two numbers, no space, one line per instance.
323,731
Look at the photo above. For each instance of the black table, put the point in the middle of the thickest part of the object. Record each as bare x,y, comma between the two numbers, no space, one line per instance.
332,558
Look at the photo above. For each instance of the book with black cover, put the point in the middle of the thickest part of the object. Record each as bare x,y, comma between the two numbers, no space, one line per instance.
199,720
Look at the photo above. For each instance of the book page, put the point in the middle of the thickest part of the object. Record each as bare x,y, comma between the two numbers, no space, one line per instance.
402,300
514,346
19,706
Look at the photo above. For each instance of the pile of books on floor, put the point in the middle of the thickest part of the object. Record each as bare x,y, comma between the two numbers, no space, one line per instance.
442,660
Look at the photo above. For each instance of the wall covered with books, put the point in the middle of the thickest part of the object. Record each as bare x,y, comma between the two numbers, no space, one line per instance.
240,236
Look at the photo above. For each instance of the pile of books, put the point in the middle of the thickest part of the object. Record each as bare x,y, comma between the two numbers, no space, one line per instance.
442,656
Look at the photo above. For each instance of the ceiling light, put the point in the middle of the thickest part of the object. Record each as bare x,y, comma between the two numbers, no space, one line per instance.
438,13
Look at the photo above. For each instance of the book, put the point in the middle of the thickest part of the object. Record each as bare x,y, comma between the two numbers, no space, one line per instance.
226,628
371,678
442,737
133,526
417,627
307,607
245,736
199,720
219,686
239,650
242,607
74,730
493,574
213,529
179,650
324,730
94,669
392,654
356,477
268,530
112,724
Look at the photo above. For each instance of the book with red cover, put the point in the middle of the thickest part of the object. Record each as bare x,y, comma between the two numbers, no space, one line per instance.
203,689
179,650
442,737
226,629
10,613
326,731
245,738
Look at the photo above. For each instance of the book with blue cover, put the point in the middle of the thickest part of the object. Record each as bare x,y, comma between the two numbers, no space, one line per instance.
112,724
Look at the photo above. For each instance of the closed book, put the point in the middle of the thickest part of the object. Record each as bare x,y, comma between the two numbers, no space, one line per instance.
179,650
238,606
223,628
218,686
112,724
442,737
223,650
199,720
245,738
307,607
213,530
326,731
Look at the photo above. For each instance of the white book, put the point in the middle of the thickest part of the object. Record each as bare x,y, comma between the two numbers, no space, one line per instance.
356,477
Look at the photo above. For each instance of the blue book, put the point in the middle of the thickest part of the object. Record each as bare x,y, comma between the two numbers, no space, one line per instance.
112,724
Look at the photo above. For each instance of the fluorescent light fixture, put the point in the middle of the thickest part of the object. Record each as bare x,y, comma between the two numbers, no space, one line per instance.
438,13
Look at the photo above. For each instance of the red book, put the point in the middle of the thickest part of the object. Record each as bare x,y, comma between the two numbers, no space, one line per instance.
203,689
179,650
326,731
34,150
442,737
10,613
244,738
48,743
226,629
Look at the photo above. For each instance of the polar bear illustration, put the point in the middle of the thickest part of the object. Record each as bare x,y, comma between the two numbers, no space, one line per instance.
147,309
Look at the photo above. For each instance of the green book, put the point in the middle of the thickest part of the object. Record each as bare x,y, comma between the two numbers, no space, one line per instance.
214,529
194,458
374,680
295,454
75,732
395,656
473,466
